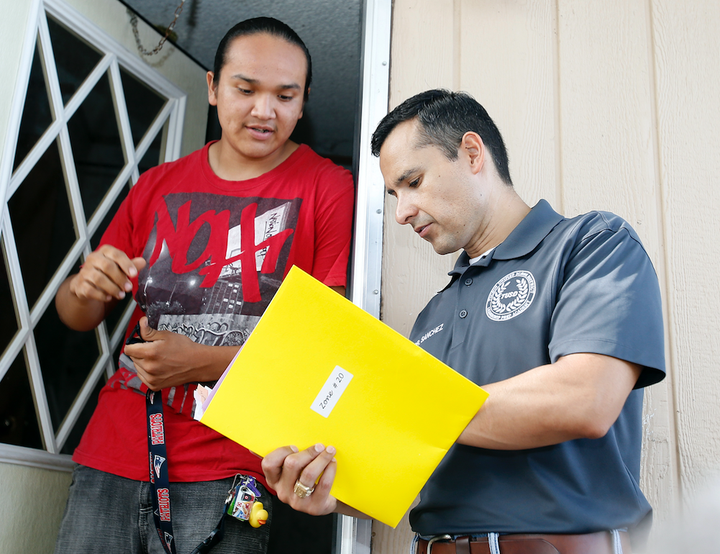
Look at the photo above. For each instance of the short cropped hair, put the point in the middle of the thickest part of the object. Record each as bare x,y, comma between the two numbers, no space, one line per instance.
444,117
258,25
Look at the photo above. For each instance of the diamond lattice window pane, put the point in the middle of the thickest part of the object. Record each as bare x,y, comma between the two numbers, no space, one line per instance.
74,58
37,115
42,222
143,105
96,145
112,319
8,322
83,419
18,418
95,239
66,359
66,180
155,154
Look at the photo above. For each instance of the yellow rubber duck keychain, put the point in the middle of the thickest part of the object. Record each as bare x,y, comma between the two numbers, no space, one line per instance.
242,502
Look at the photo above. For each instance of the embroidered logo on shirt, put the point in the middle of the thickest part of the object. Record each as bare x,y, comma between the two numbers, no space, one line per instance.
511,296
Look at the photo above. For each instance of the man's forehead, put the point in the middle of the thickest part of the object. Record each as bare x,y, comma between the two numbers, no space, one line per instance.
264,54
401,140
401,152
404,133
254,81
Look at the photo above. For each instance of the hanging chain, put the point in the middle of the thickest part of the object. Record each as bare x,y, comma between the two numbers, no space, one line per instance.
141,48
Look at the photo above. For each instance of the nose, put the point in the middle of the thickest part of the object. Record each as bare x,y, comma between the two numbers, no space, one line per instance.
405,210
263,107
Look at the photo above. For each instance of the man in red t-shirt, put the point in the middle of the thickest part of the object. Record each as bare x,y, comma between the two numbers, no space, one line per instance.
204,243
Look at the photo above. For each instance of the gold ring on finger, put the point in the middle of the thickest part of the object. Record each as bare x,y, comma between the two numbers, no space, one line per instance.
301,491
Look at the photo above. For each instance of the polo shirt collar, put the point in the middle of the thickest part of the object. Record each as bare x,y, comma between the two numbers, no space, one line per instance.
522,240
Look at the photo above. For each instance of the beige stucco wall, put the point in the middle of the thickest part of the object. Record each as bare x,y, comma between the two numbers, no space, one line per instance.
604,105
32,500
31,507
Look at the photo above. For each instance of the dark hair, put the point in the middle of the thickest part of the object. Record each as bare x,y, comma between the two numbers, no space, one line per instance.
255,26
444,117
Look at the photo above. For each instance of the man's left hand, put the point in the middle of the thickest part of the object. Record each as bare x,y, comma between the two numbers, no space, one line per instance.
314,466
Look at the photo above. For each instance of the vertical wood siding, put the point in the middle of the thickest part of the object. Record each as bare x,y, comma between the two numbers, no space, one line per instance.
686,51
608,105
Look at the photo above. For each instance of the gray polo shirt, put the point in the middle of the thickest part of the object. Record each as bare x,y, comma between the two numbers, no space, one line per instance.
554,287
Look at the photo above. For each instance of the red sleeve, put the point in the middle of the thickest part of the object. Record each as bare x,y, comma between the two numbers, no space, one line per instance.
120,232
333,226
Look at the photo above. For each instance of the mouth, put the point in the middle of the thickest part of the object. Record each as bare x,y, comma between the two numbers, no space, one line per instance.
422,230
260,129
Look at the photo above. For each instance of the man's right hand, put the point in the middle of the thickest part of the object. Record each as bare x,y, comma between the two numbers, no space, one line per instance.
105,275
83,300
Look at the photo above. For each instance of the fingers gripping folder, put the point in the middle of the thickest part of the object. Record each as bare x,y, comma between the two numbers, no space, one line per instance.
332,373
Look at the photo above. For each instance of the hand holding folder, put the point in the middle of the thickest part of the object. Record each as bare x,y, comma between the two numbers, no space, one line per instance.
285,467
330,373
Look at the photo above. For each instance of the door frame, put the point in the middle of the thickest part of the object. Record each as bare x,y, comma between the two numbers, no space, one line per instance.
354,535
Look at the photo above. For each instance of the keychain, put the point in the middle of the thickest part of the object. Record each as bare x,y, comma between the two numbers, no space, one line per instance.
242,501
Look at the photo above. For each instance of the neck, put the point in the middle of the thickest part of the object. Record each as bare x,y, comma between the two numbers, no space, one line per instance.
230,165
505,211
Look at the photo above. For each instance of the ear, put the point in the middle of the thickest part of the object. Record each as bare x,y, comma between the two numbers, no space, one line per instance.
304,102
473,149
212,89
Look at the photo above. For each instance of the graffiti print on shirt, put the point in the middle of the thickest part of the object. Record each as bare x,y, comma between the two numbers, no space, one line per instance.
214,264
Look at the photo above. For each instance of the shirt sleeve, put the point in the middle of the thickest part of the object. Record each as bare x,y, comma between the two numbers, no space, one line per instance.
119,232
333,227
609,303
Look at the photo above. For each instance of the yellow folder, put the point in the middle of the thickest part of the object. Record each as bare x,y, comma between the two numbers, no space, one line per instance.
329,372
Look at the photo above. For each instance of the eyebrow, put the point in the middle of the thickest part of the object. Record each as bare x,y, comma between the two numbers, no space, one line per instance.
252,81
406,174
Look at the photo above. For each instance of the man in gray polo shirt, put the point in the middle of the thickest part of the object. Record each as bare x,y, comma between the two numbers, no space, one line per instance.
558,319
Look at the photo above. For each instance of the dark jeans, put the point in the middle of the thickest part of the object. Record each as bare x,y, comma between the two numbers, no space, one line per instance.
106,514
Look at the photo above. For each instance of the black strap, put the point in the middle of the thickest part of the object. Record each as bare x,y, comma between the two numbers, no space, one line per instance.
160,482
159,476
159,470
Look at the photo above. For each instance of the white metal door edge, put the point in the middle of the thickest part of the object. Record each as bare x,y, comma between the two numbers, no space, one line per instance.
367,255
354,535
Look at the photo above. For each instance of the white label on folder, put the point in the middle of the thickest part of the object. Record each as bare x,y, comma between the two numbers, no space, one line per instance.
331,392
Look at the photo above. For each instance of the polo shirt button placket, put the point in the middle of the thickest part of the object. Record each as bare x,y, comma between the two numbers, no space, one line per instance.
468,282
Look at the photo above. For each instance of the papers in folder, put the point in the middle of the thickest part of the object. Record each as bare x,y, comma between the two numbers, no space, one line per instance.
319,369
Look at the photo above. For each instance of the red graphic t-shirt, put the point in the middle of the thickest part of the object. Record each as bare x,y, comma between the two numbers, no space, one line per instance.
217,252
